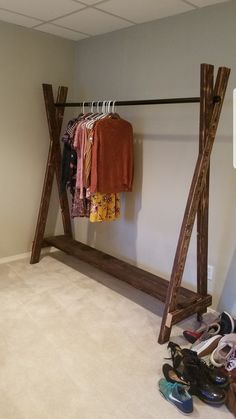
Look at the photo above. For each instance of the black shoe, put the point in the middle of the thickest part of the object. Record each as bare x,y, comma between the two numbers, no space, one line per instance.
226,323
173,376
176,354
200,384
214,375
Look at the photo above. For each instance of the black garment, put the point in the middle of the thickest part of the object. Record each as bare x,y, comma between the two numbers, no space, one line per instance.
69,168
69,158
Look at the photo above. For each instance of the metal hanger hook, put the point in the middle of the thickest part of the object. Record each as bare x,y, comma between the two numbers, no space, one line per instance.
113,106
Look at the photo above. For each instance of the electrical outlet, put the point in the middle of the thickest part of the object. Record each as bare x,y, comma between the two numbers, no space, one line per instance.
210,272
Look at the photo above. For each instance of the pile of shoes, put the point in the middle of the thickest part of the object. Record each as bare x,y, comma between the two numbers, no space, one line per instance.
205,369
216,340
216,343
189,376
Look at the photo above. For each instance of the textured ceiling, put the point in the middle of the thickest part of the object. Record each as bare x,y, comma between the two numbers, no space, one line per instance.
77,20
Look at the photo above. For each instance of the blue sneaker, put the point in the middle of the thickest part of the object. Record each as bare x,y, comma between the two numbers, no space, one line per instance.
176,394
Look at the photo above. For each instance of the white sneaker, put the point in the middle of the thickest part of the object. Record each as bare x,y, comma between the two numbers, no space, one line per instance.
223,353
210,330
206,347
230,364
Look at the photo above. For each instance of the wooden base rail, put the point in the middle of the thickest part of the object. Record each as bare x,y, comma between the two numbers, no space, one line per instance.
180,302
188,302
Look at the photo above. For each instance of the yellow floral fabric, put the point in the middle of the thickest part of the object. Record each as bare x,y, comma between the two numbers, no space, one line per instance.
104,207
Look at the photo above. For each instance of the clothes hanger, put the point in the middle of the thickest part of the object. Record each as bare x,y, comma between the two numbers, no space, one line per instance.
81,113
109,107
113,114
94,118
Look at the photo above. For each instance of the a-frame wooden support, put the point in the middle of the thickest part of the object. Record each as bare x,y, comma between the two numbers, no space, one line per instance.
198,194
55,119
206,107
180,302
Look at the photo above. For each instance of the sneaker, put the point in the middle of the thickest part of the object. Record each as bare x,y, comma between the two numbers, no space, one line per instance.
226,322
203,333
177,395
224,350
230,364
212,330
206,347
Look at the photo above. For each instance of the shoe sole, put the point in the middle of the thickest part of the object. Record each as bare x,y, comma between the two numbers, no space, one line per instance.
179,410
209,346
195,393
212,403
231,321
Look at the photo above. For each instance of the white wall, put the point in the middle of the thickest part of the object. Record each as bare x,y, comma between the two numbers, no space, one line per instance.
162,59
28,59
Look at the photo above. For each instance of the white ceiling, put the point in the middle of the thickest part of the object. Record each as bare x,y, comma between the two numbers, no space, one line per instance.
76,20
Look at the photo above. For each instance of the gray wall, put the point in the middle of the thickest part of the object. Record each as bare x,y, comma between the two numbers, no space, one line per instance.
28,59
162,59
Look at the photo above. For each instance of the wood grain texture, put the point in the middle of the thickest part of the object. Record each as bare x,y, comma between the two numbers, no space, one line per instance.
138,278
206,108
193,307
196,189
54,118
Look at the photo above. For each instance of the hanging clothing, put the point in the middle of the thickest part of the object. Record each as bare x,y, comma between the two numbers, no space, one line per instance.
112,156
97,164
68,136
88,158
105,207
79,144
80,206
69,163
81,202
69,158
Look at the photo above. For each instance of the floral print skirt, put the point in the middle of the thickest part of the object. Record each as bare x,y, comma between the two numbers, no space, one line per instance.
104,207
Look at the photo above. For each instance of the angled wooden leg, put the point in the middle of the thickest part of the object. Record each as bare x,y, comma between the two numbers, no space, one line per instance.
54,123
43,209
206,108
65,211
196,189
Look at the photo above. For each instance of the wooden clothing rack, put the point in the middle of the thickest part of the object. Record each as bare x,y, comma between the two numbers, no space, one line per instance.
180,302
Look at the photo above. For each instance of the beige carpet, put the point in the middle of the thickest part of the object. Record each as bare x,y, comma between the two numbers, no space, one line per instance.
73,348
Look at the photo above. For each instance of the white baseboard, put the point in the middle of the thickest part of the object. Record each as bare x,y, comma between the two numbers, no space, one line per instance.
25,255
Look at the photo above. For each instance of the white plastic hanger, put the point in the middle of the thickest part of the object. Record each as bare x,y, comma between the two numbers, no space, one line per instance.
113,106
109,106
92,107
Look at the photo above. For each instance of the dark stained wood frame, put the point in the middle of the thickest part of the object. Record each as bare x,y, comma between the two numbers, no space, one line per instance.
180,302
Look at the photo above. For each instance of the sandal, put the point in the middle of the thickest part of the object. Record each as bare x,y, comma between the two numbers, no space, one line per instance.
173,376
176,354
